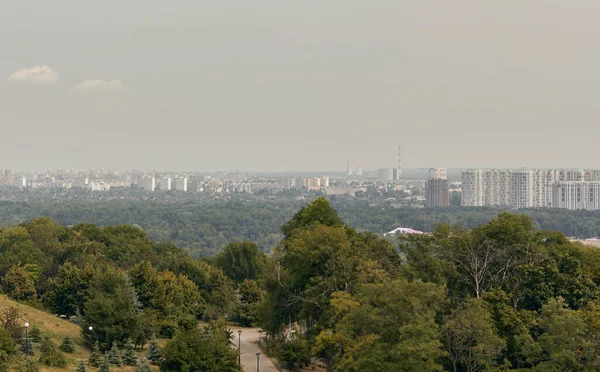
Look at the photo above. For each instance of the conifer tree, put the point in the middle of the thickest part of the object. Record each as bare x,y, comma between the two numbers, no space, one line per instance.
105,366
35,334
81,367
129,357
95,357
114,356
154,354
67,345
142,366
27,346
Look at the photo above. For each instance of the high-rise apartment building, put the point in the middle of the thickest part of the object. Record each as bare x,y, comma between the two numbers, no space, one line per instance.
181,183
518,188
149,183
165,183
386,174
436,193
472,188
576,195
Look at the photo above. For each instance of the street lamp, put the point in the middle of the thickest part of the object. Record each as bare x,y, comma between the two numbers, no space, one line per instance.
258,362
26,340
240,346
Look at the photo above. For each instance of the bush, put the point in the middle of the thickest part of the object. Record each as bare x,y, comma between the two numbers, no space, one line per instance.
51,356
294,354
27,365
67,345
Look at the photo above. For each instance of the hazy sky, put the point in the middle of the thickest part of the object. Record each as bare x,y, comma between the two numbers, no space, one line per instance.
261,85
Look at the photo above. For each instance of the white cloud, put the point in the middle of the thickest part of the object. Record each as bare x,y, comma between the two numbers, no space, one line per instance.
100,86
38,75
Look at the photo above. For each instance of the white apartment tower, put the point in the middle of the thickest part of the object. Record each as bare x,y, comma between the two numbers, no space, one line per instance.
149,183
576,195
165,183
472,188
181,183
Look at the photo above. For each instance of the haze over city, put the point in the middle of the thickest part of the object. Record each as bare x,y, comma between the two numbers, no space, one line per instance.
271,86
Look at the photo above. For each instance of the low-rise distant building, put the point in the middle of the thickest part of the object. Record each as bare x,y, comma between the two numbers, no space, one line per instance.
402,231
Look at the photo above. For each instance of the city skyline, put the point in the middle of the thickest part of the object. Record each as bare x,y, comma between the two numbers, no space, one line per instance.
268,86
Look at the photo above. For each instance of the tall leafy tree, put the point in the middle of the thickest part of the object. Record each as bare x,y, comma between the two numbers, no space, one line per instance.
241,261
470,337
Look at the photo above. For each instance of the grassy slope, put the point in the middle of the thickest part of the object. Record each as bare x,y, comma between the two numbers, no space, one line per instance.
57,329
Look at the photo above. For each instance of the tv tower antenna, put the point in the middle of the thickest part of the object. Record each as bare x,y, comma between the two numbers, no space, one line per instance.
399,168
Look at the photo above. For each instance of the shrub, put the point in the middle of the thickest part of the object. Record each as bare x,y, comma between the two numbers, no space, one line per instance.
51,356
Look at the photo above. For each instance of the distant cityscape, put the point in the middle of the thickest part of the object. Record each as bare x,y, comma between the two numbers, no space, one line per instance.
572,189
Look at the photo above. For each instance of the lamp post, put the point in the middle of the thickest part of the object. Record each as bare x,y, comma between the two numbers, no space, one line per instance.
240,346
258,362
26,339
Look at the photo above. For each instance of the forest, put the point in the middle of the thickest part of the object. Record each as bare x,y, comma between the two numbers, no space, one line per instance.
204,226
503,295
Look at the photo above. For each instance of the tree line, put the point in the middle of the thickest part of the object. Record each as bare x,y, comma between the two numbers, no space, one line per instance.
204,226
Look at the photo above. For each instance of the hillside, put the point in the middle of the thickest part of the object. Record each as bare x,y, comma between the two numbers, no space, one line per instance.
57,329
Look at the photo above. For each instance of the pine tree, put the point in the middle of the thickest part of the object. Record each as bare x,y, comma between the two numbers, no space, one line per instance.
67,345
114,356
105,366
81,367
95,357
154,354
27,346
129,357
35,334
142,366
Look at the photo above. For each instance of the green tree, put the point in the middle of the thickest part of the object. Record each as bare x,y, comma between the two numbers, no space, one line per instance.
35,334
18,285
470,338
112,310
81,367
95,359
27,346
11,321
7,348
105,365
142,366
250,296
387,326
241,261
317,212
67,345
154,354
52,356
200,350
565,342
129,356
114,356
70,288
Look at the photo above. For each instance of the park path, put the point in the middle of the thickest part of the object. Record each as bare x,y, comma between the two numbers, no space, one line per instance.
249,348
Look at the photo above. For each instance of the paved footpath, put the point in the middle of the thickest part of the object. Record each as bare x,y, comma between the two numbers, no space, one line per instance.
249,348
